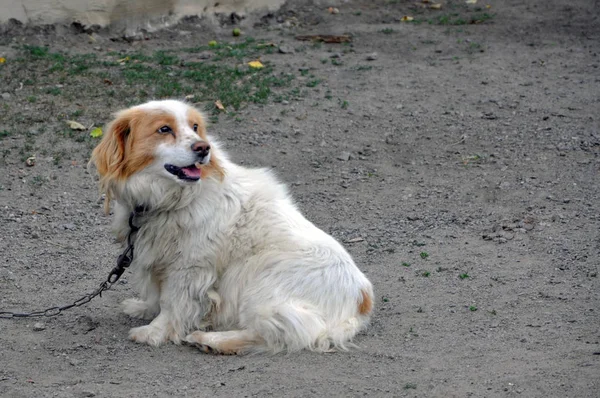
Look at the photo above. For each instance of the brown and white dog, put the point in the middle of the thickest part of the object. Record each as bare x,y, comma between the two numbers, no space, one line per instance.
222,247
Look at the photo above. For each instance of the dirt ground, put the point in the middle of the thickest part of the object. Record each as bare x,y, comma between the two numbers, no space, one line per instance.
456,156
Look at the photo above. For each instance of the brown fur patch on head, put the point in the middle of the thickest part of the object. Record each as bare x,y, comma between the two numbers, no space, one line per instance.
128,146
213,167
366,305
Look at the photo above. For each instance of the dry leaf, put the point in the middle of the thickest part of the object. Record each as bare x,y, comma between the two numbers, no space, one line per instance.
2,60
122,60
436,6
96,133
256,64
406,18
326,38
471,1
488,6
75,125
108,82
220,106
355,240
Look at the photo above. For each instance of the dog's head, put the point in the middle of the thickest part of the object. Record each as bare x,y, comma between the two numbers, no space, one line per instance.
164,138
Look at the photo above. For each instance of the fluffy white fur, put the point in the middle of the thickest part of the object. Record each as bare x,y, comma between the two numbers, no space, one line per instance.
235,256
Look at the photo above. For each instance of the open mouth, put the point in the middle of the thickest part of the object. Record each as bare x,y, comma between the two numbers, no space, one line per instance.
187,173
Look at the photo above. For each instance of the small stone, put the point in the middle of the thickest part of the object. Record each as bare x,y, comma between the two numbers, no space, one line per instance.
390,139
69,226
5,96
372,57
205,55
38,327
344,156
35,235
87,394
285,49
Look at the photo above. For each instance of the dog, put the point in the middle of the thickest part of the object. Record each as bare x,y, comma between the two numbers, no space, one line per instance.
223,259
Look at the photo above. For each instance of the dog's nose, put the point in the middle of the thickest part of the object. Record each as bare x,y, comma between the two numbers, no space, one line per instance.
201,148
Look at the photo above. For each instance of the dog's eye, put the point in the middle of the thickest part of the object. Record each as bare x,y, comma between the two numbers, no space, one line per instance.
165,130
195,128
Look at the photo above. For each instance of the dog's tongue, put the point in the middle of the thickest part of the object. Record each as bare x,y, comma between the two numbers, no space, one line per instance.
191,171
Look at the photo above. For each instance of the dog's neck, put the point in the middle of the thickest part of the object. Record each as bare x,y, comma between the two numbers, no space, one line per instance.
158,195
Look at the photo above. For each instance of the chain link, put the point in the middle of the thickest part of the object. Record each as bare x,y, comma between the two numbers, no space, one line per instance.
123,262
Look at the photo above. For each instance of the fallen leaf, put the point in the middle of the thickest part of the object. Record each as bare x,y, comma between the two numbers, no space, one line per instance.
96,133
488,6
436,6
2,60
108,82
220,106
355,240
256,64
406,18
471,1
122,60
263,45
75,125
326,38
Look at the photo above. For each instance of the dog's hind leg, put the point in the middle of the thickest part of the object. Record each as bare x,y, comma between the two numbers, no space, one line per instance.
227,343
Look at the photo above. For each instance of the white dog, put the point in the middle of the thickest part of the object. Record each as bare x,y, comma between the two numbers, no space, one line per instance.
222,247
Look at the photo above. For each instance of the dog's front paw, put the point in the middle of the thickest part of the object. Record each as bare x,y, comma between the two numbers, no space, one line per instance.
140,309
148,334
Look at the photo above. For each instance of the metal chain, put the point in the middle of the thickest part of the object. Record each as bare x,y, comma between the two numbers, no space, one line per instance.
123,262
54,311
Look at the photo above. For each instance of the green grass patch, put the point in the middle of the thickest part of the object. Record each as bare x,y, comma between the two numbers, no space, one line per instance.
137,77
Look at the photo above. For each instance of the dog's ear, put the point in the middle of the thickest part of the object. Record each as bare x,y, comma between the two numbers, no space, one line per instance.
109,155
